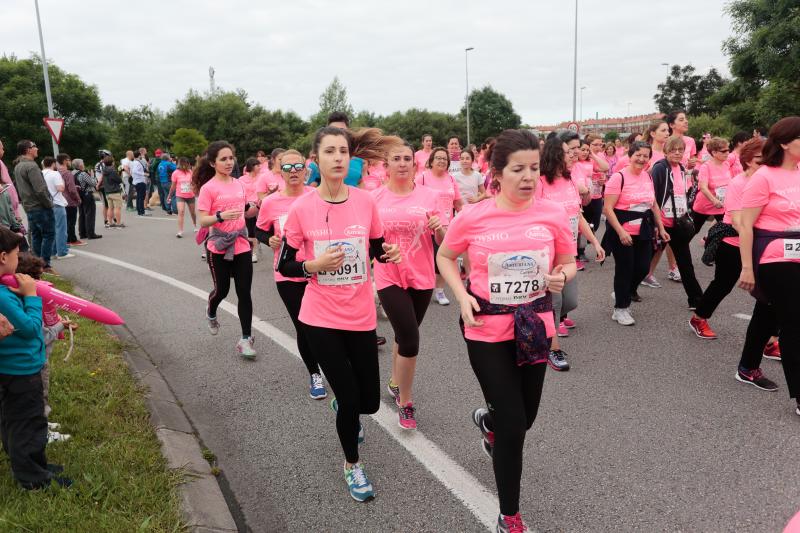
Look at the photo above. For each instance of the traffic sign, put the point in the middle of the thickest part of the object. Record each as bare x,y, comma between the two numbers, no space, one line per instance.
55,126
573,126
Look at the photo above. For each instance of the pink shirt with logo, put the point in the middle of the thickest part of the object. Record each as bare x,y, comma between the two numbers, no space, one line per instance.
637,194
273,214
405,222
421,157
733,202
777,191
680,183
485,230
376,175
689,150
183,183
311,220
717,177
267,181
565,193
218,196
250,184
735,164
447,191
622,162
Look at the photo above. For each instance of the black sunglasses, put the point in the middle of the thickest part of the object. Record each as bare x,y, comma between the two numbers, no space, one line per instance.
289,167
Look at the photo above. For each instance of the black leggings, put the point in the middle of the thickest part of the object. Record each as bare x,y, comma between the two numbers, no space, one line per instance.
241,270
727,268
405,308
291,292
512,394
592,213
779,283
350,362
699,219
762,326
631,265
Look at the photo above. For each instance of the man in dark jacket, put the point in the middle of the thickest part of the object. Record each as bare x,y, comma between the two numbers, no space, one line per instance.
36,201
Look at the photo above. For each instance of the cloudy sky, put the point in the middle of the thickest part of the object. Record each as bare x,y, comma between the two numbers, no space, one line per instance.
390,55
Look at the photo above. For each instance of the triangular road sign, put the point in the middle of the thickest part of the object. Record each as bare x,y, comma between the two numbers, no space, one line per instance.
56,127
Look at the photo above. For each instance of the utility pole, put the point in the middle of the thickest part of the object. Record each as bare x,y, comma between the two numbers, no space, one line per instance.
466,67
212,87
50,111
575,68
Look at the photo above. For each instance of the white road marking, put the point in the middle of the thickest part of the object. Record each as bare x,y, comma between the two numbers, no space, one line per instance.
465,487
742,316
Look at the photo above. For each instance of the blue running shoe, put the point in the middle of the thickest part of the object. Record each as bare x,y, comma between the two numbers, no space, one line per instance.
357,483
316,388
335,408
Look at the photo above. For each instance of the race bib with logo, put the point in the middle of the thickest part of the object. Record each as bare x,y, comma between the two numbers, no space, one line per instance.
186,187
573,225
282,222
721,191
517,277
791,248
354,268
680,207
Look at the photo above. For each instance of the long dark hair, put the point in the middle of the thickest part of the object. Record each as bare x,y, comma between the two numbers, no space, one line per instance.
203,172
554,161
784,131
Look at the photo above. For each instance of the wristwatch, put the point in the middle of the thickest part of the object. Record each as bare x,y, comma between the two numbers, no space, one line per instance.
219,216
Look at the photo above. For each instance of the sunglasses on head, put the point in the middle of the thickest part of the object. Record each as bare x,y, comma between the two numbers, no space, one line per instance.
289,167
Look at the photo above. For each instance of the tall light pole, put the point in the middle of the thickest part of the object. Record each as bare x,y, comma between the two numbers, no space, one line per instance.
582,88
466,98
575,66
46,76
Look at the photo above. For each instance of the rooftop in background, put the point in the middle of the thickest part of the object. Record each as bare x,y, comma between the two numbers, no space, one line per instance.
636,123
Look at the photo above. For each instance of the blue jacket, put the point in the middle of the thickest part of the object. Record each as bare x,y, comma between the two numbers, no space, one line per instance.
353,177
21,353
165,170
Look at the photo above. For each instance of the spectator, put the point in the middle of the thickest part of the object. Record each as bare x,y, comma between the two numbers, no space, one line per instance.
127,179
36,201
139,172
63,164
9,203
56,188
112,185
98,174
153,178
87,186
165,169
5,177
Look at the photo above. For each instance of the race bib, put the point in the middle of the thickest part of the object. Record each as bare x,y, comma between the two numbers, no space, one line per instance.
573,225
680,207
639,208
186,187
444,204
354,267
791,248
282,222
597,189
721,193
517,277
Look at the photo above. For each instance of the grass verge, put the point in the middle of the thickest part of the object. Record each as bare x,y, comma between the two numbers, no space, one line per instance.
122,483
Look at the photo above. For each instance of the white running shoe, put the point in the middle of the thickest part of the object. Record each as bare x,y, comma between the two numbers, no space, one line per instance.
67,256
55,436
245,347
441,299
255,257
651,281
623,317
674,275
53,426
179,235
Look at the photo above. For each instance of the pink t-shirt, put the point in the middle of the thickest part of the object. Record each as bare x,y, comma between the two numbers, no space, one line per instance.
565,193
273,214
689,151
340,299
778,192
519,247
658,155
717,177
405,222
376,175
183,183
636,195
581,172
735,164
680,183
421,157
619,152
621,163
267,181
448,192
215,196
250,184
733,202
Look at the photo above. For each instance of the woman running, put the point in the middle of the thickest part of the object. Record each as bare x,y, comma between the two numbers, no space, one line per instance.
222,206
440,180
250,181
522,251
181,189
469,180
422,155
631,227
338,229
408,213
597,167
769,238
269,229
679,125
712,184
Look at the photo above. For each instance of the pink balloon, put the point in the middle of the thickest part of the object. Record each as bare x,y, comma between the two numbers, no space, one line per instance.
68,302
794,525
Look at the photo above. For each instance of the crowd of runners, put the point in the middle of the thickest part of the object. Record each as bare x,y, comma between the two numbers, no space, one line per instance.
369,224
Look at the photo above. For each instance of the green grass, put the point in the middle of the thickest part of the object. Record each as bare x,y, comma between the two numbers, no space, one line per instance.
122,483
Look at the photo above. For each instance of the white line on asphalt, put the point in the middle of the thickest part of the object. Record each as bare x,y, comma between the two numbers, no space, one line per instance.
742,316
464,486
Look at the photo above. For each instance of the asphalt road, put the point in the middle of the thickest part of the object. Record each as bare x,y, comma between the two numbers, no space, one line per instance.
649,431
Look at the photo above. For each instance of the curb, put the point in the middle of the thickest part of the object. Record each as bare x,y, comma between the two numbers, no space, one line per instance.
203,505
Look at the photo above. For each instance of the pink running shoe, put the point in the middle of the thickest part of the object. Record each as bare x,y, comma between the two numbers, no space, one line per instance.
407,420
580,265
569,323
562,330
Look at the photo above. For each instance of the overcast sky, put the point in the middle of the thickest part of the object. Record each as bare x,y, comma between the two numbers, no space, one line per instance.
390,55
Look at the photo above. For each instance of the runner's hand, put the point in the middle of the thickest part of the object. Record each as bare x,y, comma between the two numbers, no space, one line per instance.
746,279
469,306
332,259
665,236
274,242
231,214
392,254
625,238
434,224
601,254
555,280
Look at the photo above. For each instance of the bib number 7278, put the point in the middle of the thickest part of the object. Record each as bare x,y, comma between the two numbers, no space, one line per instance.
517,277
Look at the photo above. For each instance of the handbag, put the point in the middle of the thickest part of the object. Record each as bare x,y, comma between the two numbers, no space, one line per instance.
683,228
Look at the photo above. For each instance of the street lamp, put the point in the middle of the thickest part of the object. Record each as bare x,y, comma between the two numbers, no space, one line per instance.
46,77
575,66
466,68
582,88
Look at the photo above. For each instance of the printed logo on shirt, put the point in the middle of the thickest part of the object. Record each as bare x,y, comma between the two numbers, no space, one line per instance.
502,236
356,230
416,210
347,248
520,262
317,233
538,233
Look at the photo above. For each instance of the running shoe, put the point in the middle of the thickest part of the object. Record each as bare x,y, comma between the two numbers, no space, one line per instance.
394,391
756,378
623,317
562,330
580,265
380,340
701,328
65,256
797,411
55,436
357,483
245,347
674,275
179,235
53,426
511,524
487,442
652,282
772,351
569,323
316,388
335,407
441,299
557,359
203,256
77,243
213,325
582,257
255,257
407,420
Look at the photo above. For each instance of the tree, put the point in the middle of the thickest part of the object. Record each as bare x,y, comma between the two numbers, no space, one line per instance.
218,116
23,105
414,123
611,136
140,126
333,98
266,130
188,142
718,126
490,113
687,90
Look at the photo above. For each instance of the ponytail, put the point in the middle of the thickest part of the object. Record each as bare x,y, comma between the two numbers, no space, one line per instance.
203,172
